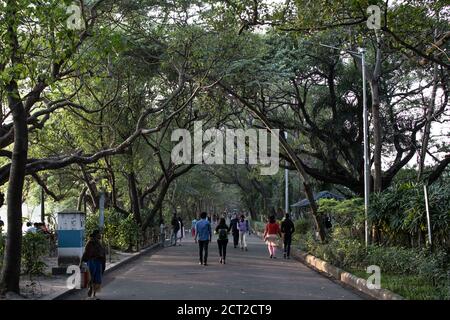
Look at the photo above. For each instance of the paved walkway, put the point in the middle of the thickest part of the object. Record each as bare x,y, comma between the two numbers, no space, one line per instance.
174,273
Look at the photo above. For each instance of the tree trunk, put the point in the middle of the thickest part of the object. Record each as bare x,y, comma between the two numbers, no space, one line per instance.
112,181
318,221
11,264
252,213
376,121
376,233
90,184
157,205
438,170
291,154
134,198
429,117
42,205
81,199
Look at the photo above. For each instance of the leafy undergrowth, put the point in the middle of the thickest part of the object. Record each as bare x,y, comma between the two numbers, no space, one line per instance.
409,286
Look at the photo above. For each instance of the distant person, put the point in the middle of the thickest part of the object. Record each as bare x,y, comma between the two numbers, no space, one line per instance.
30,228
222,231
2,225
243,230
287,229
162,232
95,256
180,233
271,234
43,228
203,234
194,222
175,227
247,219
234,230
327,222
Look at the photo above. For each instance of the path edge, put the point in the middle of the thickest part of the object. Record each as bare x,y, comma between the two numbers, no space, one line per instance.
341,275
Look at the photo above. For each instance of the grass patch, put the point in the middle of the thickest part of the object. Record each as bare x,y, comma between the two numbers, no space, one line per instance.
409,286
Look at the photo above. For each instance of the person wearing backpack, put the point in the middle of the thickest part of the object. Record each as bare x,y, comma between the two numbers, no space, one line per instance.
222,231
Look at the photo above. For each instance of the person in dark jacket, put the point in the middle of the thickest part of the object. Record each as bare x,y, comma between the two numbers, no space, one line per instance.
222,231
234,230
287,229
95,256
175,227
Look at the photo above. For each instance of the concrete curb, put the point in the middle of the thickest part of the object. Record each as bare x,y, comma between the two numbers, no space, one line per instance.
353,281
112,267
342,275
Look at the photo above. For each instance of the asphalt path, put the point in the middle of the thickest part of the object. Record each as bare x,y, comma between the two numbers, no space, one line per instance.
173,273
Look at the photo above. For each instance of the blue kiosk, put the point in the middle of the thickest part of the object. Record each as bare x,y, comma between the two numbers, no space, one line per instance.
71,235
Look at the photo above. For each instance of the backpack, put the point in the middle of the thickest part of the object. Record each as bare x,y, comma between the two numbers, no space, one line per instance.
223,234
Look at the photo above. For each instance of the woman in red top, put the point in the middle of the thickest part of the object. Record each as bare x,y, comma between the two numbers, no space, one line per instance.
271,236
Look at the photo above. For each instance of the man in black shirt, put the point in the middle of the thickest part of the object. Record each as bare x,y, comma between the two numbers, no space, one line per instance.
234,230
175,228
287,228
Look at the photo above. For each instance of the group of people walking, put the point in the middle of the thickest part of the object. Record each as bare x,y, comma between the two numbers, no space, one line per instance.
202,233
95,255
285,232
240,228
177,231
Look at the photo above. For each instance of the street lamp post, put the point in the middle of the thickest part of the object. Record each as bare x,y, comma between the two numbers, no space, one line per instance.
366,148
362,55
286,185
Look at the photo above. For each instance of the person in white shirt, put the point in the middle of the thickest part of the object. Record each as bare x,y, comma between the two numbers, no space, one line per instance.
162,232
30,228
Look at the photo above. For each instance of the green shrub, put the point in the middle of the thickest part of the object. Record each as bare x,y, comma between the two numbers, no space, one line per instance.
399,213
347,214
435,267
112,221
111,228
394,260
92,223
258,226
34,247
128,233
302,226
